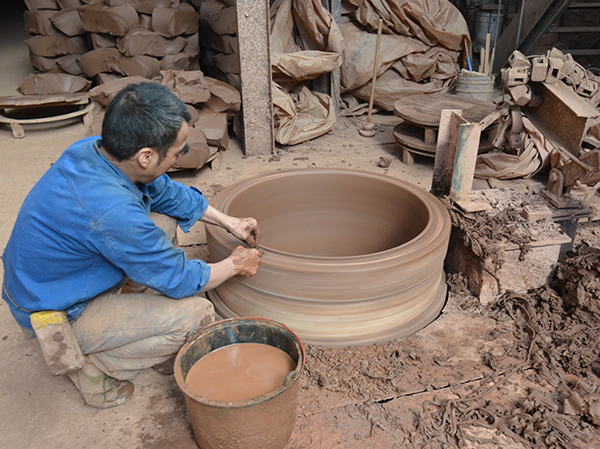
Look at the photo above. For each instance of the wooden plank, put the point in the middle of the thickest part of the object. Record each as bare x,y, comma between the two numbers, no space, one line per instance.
534,9
584,5
415,138
19,101
465,160
255,74
574,30
446,151
585,52
550,17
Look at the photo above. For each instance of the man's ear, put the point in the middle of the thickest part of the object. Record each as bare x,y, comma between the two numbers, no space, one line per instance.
144,157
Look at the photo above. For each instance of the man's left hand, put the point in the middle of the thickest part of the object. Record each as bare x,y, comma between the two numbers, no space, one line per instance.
246,229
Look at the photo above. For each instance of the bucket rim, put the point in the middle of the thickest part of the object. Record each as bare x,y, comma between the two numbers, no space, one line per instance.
249,402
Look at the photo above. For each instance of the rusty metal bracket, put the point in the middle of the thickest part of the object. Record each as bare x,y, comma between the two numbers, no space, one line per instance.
554,191
514,140
585,170
455,159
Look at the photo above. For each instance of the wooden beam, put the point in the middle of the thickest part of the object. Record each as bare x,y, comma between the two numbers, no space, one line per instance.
540,29
584,52
445,153
329,83
574,30
584,5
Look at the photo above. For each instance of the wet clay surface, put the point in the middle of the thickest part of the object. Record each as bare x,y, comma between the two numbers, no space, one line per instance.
239,372
522,372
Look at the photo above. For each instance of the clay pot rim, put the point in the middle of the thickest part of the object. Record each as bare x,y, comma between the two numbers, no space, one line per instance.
224,198
249,402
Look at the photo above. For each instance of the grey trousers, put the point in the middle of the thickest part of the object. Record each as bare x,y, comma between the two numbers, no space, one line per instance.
122,334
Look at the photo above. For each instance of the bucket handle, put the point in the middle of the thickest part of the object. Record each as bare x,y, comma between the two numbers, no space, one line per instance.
289,379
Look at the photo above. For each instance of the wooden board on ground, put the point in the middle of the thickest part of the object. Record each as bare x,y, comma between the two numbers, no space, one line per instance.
49,103
20,101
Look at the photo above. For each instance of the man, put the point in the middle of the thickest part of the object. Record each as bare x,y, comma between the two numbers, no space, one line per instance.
88,227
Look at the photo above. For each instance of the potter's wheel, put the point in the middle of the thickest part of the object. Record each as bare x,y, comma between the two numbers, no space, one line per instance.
348,258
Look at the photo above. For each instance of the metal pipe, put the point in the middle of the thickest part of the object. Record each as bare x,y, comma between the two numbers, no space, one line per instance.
497,23
495,38
521,13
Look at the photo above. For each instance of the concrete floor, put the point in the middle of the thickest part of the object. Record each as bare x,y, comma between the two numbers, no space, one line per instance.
38,411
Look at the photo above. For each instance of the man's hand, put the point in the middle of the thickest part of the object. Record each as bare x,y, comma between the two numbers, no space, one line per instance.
245,261
242,261
246,229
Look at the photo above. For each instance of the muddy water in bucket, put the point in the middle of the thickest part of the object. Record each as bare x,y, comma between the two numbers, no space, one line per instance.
265,421
240,372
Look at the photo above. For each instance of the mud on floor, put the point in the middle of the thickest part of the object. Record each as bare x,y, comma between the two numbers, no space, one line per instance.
521,372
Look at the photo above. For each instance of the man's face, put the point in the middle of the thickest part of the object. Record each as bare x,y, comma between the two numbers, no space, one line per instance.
174,153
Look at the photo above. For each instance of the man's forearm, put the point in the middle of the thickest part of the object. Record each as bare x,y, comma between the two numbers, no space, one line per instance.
219,273
216,217
242,261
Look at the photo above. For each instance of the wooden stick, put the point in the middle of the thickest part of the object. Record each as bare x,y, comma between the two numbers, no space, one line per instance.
481,59
487,53
368,128
375,69
468,53
491,64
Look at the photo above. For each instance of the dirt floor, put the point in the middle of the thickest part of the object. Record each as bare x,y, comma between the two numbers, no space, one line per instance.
519,372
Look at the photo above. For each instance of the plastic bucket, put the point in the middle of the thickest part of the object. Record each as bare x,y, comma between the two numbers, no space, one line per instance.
264,422
475,85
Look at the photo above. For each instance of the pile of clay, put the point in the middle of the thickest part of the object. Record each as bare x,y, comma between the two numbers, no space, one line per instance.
557,346
139,38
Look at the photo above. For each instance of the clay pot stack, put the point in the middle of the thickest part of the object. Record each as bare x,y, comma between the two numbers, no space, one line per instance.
58,39
219,41
107,39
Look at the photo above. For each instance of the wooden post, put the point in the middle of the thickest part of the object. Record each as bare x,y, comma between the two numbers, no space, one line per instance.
255,74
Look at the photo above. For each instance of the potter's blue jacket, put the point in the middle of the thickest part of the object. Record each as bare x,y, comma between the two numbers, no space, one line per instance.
85,226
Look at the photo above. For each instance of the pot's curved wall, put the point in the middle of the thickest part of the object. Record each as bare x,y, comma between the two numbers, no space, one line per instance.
348,257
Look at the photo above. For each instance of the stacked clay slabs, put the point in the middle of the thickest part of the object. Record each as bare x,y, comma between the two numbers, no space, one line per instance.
348,257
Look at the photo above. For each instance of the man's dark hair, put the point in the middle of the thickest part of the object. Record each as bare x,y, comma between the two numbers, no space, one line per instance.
142,115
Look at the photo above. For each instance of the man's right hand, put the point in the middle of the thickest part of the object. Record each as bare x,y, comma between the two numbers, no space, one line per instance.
242,261
245,261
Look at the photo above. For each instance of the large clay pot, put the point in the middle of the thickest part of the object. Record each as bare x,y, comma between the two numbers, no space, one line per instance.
348,257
